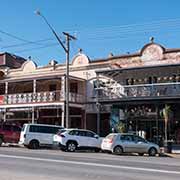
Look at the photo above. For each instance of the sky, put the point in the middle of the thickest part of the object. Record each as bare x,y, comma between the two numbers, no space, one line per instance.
100,26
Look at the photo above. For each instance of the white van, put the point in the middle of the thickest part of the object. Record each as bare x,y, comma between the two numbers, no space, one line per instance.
35,135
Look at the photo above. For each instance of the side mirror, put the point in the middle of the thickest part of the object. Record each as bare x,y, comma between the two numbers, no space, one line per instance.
96,136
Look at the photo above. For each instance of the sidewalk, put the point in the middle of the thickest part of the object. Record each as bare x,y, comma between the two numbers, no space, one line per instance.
175,153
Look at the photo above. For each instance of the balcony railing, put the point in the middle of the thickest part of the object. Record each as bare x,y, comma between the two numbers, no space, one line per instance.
40,97
144,90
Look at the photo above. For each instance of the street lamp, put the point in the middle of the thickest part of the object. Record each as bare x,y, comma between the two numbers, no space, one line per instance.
66,49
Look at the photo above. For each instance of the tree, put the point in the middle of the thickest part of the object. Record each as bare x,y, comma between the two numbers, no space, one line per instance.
121,127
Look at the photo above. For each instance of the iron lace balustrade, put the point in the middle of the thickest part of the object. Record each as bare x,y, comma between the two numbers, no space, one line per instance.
142,90
40,97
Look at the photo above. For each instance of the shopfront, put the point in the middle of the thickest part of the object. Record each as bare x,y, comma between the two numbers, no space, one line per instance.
147,120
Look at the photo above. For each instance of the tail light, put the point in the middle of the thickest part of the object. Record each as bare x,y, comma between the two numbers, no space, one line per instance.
110,141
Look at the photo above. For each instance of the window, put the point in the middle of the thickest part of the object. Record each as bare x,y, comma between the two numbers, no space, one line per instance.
74,133
90,134
44,129
110,136
16,128
139,139
82,133
7,128
126,138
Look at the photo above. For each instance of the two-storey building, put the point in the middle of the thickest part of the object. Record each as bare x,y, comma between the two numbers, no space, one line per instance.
126,92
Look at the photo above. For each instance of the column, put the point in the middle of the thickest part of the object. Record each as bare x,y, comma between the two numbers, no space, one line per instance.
34,86
34,100
6,88
6,99
32,115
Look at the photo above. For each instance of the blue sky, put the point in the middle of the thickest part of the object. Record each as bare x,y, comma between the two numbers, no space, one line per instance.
101,26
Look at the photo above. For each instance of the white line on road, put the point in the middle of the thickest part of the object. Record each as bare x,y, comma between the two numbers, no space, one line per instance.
90,164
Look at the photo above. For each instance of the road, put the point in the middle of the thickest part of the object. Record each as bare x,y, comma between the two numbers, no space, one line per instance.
25,164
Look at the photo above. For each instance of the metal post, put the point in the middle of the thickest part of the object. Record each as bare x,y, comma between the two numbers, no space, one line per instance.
98,106
157,125
66,49
67,81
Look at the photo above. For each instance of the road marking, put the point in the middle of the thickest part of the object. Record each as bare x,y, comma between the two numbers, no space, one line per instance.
90,164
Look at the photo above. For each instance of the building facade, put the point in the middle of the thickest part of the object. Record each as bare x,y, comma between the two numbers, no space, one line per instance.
118,93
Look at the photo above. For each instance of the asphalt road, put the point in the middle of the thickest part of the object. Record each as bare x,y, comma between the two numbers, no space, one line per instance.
25,164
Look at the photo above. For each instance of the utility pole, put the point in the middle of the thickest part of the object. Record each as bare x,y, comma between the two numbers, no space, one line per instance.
68,38
66,49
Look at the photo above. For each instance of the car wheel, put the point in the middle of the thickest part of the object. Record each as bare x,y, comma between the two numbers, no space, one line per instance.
71,146
118,150
141,154
1,141
34,144
152,152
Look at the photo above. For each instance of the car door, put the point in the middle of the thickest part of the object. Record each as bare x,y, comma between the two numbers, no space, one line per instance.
140,144
127,143
93,139
83,138
16,133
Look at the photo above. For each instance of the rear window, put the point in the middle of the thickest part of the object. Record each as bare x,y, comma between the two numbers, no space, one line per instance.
111,136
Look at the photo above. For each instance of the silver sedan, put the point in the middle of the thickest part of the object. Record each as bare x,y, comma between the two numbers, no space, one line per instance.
128,143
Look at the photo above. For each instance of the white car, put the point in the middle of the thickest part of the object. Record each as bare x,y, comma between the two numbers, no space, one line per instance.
35,135
128,143
73,139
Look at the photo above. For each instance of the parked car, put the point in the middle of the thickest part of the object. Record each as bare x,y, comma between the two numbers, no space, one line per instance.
73,139
128,143
9,133
35,135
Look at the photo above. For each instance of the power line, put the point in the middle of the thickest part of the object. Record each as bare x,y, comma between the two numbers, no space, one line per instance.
24,44
46,46
125,27
18,38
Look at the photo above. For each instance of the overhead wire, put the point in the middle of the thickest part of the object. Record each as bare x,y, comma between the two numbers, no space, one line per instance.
109,33
26,43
